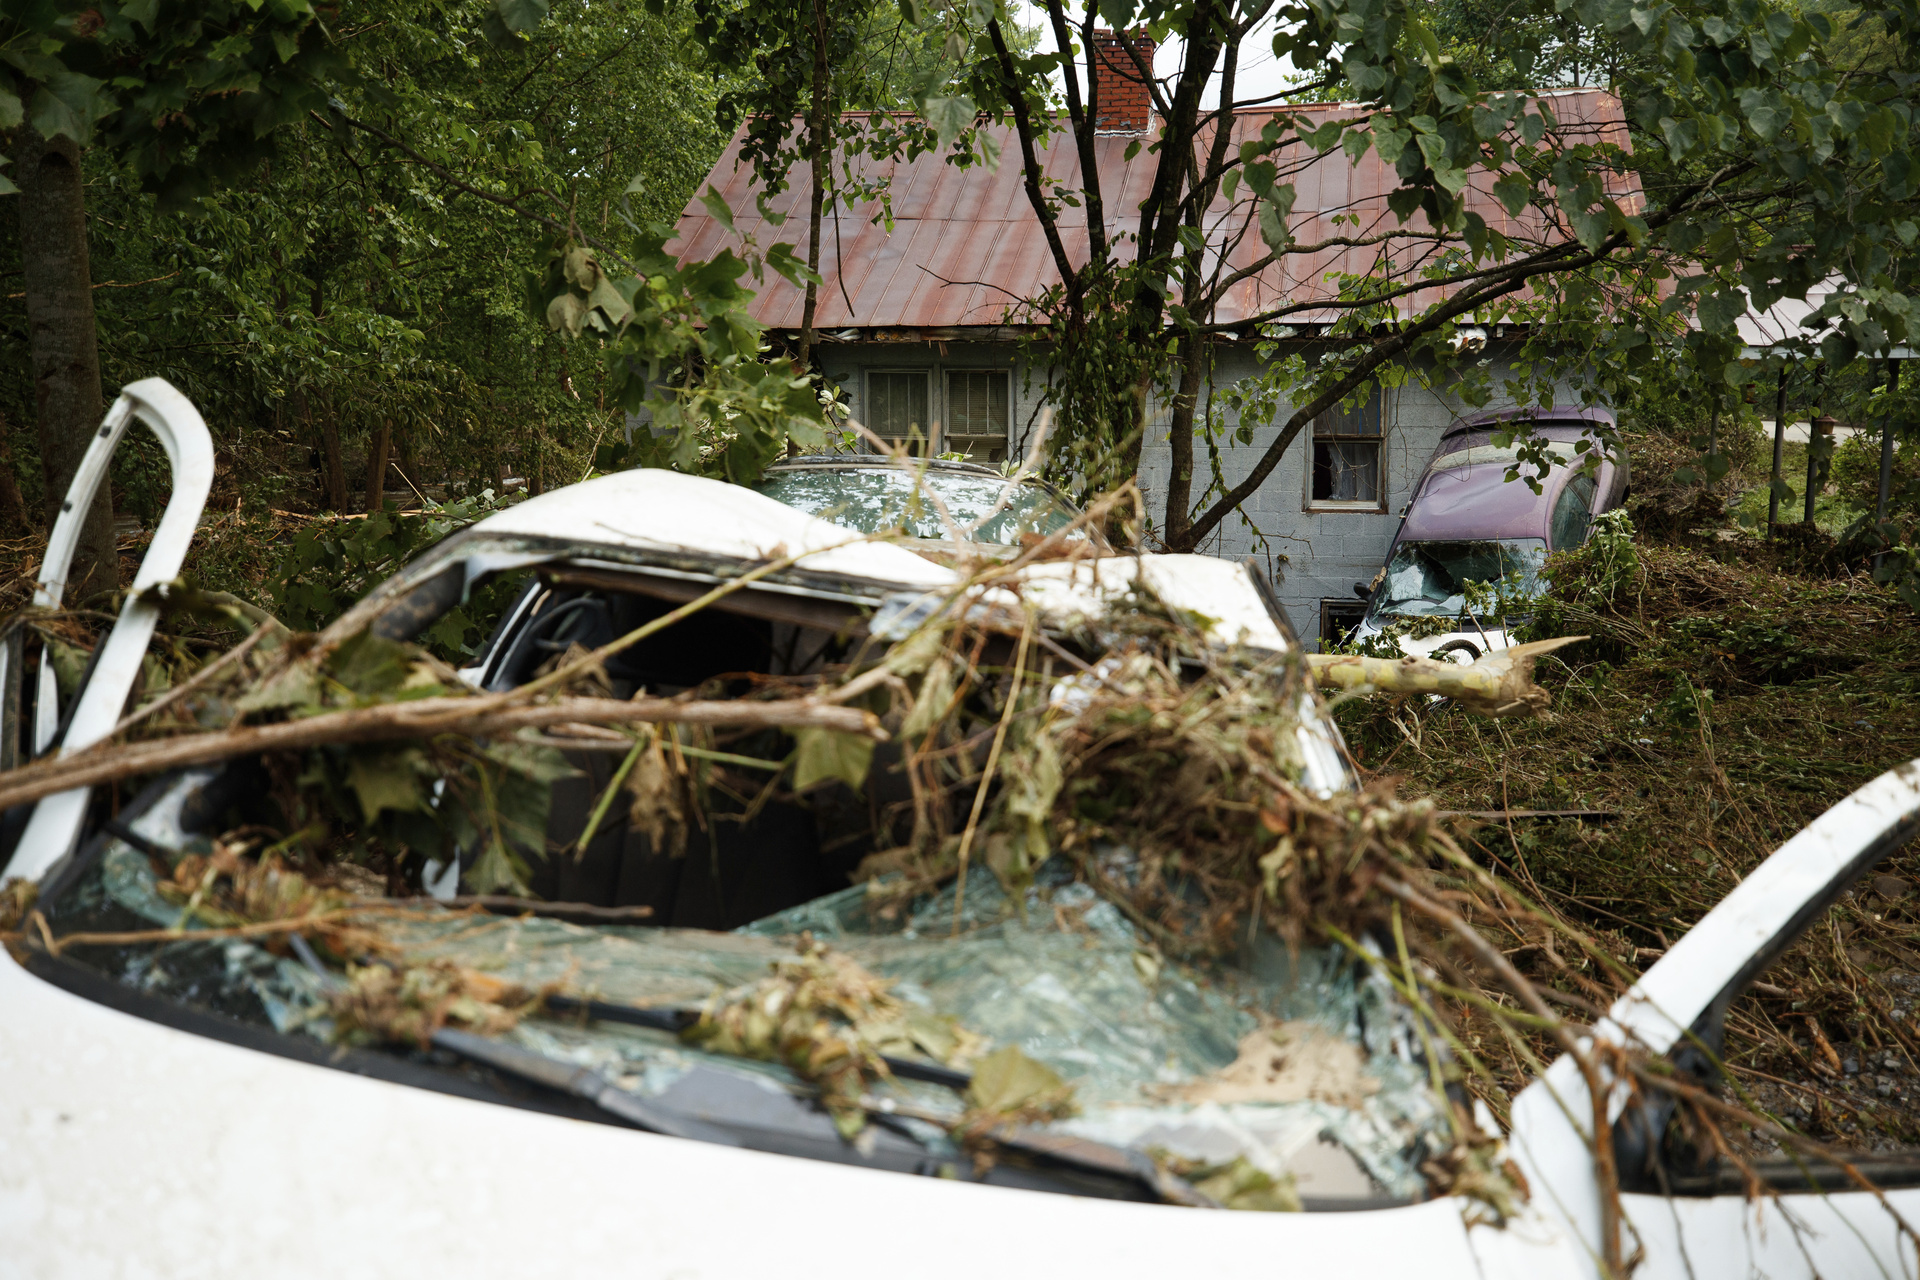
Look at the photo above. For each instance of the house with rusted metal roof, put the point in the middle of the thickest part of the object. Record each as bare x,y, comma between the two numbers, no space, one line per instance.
920,325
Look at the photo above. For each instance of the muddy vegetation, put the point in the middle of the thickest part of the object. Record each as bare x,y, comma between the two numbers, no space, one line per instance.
1733,688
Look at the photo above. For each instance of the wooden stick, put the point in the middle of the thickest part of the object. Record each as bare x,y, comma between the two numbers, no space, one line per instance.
423,718
1500,684
1605,1172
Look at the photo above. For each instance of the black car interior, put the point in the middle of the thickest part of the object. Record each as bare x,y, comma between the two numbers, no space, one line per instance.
749,856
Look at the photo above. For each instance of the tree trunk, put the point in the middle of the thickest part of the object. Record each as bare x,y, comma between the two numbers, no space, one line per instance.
65,351
817,127
1779,441
1186,403
377,454
326,432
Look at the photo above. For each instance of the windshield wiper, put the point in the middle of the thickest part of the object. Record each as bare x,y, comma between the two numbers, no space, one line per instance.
581,1082
678,1020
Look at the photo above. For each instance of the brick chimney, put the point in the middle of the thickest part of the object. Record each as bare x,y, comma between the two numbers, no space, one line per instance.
1121,103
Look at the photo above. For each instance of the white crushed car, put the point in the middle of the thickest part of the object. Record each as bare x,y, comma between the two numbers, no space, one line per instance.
182,1106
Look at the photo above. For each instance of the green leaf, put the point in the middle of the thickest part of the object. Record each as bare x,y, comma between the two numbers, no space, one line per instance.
791,267
1513,191
383,780
1389,141
67,105
521,16
12,110
610,302
1009,1081
580,268
566,314
825,754
371,666
294,688
717,206
494,872
949,116
1274,211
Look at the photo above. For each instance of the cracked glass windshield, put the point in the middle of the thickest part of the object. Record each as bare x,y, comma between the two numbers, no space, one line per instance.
822,940
876,499
1429,579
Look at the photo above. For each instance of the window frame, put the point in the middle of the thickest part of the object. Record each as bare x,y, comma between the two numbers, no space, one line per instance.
1323,432
932,444
947,375
1329,605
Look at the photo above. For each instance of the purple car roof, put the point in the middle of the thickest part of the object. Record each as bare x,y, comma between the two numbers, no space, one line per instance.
1476,501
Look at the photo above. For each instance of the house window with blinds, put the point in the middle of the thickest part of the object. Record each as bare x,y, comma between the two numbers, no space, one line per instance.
897,408
977,414
1348,463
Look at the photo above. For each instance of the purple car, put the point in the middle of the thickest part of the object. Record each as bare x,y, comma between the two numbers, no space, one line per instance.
1467,522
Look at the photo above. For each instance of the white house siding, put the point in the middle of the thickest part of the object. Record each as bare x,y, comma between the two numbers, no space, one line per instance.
1312,555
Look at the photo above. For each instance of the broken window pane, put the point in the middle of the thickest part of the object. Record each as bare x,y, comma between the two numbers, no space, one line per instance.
1346,471
1428,579
1301,1064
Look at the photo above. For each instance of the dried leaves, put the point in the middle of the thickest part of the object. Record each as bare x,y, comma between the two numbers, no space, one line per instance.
406,1005
829,1020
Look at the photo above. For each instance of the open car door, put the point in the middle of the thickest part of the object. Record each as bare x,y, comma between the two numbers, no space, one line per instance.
33,728
1805,1217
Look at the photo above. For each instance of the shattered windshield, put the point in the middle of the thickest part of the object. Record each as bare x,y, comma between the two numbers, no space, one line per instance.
1075,919
879,499
1430,579
1291,1072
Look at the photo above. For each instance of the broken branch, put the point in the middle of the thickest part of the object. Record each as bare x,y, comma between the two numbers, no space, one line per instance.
424,718
1500,684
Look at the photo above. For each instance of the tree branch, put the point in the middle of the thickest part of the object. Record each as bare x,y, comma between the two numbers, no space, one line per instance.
482,717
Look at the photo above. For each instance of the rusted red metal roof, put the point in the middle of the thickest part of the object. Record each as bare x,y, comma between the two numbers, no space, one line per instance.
965,248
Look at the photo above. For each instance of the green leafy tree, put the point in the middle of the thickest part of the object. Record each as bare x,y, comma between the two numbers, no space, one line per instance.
1768,168
186,92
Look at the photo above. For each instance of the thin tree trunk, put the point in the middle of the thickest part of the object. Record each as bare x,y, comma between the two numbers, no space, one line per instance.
817,125
336,465
377,454
65,349
1186,402
1885,491
1779,443
325,435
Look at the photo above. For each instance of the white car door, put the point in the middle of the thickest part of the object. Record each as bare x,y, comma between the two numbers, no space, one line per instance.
1709,1226
55,821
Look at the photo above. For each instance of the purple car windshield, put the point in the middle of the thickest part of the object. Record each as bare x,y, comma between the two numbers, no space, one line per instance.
1429,579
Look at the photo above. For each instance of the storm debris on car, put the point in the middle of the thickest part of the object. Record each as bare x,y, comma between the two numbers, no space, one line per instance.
1018,854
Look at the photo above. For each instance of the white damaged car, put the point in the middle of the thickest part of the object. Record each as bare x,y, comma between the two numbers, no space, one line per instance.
176,1110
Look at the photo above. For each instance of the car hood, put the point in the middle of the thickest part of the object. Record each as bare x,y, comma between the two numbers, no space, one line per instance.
651,508
1476,501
